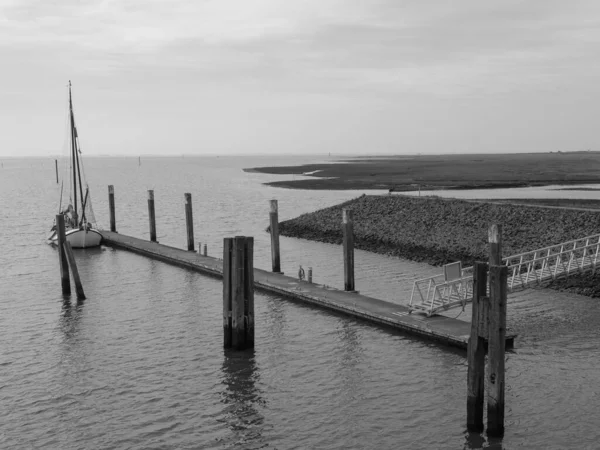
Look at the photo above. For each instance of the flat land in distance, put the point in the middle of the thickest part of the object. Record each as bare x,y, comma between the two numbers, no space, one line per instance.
574,203
409,172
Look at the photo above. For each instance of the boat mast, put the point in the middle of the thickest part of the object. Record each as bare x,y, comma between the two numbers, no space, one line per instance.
76,161
73,153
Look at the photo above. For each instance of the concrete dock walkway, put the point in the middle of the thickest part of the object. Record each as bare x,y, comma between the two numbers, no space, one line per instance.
443,329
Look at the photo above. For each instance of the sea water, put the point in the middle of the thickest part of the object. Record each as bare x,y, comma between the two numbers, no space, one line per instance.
140,365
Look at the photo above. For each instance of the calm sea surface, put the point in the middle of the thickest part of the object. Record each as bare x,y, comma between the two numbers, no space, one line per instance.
140,363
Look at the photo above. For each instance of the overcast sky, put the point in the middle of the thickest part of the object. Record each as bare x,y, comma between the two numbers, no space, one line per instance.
300,76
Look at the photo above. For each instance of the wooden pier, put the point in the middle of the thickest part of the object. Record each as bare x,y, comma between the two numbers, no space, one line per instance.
443,329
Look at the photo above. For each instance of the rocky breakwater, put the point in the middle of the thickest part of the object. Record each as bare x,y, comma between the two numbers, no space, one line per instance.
438,231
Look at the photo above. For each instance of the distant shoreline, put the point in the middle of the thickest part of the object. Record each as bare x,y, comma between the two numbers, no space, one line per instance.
433,172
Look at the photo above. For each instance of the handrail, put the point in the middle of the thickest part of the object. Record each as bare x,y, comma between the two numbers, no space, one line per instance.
533,266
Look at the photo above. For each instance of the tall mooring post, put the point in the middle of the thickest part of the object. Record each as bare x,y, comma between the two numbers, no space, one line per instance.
238,292
111,207
497,334
189,222
65,280
476,349
488,323
348,231
274,226
151,215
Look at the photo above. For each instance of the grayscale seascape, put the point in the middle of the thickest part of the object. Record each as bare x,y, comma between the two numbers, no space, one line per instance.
140,363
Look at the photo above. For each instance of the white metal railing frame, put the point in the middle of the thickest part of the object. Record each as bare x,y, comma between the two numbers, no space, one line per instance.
553,261
524,269
436,293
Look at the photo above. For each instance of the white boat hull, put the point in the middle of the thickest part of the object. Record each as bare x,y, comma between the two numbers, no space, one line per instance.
79,238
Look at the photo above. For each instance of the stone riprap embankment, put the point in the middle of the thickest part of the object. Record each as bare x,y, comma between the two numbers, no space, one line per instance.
438,231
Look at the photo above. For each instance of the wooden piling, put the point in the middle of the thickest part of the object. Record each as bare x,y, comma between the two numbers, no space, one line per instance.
496,349
74,271
495,243
205,250
238,292
476,350
227,270
56,169
348,230
111,207
62,257
189,222
249,291
151,215
309,278
274,225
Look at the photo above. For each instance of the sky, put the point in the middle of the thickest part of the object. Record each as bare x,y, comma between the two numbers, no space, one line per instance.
168,77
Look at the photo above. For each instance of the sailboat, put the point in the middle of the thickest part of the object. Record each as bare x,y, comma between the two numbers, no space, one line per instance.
80,229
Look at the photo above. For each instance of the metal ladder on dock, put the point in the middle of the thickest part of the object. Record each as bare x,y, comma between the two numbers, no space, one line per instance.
442,292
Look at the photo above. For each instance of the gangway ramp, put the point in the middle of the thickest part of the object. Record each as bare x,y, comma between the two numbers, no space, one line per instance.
455,287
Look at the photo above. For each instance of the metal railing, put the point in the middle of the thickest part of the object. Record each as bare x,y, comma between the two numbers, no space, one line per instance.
434,294
550,263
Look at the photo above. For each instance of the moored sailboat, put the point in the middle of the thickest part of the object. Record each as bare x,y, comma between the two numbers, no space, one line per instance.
80,229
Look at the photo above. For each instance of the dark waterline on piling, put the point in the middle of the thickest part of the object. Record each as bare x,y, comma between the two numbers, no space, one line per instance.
140,363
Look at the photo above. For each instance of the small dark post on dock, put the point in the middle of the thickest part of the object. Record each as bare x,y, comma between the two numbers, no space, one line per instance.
74,271
348,229
56,169
111,207
497,334
151,215
274,223
238,292
64,265
189,222
476,350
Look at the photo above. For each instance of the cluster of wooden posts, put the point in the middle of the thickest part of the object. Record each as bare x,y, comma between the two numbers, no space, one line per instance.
238,266
488,326
66,260
488,329
347,228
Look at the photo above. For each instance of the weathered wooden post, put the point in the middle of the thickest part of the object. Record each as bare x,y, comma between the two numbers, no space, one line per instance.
74,271
56,168
348,230
189,221
274,225
227,279
205,250
238,292
309,278
151,215
497,334
62,257
476,350
111,207
495,243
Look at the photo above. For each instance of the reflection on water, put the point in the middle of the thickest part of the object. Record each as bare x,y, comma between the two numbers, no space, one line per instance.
242,398
69,321
349,369
476,441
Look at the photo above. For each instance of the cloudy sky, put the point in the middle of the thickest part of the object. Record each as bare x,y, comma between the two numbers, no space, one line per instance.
300,76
